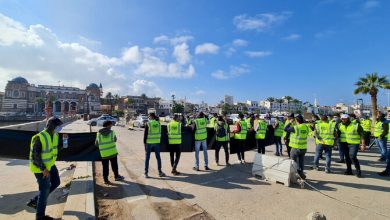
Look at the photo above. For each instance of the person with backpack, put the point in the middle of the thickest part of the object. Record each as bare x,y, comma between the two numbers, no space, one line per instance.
222,133
261,130
105,140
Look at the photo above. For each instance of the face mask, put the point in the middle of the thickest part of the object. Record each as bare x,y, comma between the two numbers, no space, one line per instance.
58,129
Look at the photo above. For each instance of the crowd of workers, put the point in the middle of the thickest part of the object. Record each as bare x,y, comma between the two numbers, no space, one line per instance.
343,132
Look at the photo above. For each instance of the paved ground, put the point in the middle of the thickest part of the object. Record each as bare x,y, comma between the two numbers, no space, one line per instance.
233,193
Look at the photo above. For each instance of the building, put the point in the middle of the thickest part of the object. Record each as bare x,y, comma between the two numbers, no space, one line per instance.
1,98
228,100
282,106
165,107
252,106
342,108
23,97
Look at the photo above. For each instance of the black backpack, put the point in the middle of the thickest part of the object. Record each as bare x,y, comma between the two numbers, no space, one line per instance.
221,131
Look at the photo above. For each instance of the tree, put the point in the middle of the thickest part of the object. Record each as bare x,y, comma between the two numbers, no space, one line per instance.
371,85
271,100
280,101
177,108
40,103
289,99
143,96
296,102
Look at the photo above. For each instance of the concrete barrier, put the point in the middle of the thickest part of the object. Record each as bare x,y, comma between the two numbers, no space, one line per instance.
36,125
272,168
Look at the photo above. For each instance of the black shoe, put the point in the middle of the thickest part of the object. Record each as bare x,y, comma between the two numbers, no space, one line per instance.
382,159
161,174
32,203
107,182
46,217
384,173
348,172
196,168
358,173
119,178
207,168
340,161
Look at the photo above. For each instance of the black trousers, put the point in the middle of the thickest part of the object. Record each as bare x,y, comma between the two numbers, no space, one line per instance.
174,149
350,151
218,146
367,137
287,142
114,167
241,149
260,146
298,155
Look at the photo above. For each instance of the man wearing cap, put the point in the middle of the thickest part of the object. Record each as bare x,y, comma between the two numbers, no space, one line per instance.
43,155
324,132
352,134
286,134
380,134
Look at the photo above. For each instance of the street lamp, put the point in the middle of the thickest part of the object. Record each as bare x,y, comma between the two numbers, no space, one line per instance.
88,93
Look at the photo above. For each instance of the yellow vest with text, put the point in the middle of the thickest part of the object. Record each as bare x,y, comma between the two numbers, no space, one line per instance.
154,132
352,134
378,129
107,145
298,139
243,132
174,132
366,125
201,131
325,130
49,150
261,129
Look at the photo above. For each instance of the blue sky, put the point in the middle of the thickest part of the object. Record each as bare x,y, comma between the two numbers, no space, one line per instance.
199,49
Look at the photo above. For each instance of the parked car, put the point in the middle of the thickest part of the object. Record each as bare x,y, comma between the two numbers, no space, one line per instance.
100,120
140,121
234,118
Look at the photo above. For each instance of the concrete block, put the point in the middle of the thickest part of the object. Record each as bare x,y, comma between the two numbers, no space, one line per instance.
272,168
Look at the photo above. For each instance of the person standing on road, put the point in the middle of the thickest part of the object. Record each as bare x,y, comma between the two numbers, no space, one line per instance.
105,140
199,126
174,141
324,133
380,134
222,134
353,133
278,132
43,155
298,142
286,134
386,172
261,130
152,139
366,125
336,121
240,135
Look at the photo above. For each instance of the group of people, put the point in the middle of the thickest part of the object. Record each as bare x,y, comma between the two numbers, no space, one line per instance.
344,132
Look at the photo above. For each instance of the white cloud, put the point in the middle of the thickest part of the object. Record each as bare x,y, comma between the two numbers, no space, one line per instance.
292,37
200,92
132,55
88,42
234,71
181,39
182,53
256,54
230,51
240,43
207,48
371,4
161,39
259,22
149,88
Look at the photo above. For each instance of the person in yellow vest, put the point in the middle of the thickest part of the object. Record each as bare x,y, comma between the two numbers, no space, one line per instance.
199,127
43,155
222,134
353,133
386,172
261,130
325,134
212,121
336,120
286,135
278,132
380,133
174,142
152,140
105,140
298,142
249,121
366,123
240,135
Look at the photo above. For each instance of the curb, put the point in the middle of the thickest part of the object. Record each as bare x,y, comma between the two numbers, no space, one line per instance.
80,203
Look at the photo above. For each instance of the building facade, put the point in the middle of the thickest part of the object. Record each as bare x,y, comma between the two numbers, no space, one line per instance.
23,97
228,99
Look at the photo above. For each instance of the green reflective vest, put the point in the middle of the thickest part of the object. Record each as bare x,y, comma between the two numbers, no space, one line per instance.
352,134
174,132
378,129
325,130
243,132
107,145
201,131
261,129
49,150
212,122
154,132
278,132
298,139
366,125
224,138
248,123
343,132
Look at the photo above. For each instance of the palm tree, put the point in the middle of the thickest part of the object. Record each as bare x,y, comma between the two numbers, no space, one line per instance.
280,101
370,85
271,100
289,99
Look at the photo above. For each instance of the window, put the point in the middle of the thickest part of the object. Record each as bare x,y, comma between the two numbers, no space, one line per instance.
16,94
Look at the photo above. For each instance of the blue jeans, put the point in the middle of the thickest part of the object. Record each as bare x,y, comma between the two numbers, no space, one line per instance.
148,152
202,143
278,144
46,186
388,162
382,145
328,154
341,149
351,156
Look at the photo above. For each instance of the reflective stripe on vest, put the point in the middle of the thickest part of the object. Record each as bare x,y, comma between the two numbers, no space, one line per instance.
351,134
298,139
343,131
154,132
279,129
49,150
211,122
107,145
378,129
248,123
243,132
366,125
174,132
226,137
261,129
326,132
200,132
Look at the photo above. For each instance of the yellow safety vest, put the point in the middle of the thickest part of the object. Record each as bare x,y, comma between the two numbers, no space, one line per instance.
224,138
201,131
243,132
107,145
366,125
279,129
378,129
351,134
298,139
326,132
49,150
285,125
211,122
154,132
261,129
248,123
174,132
